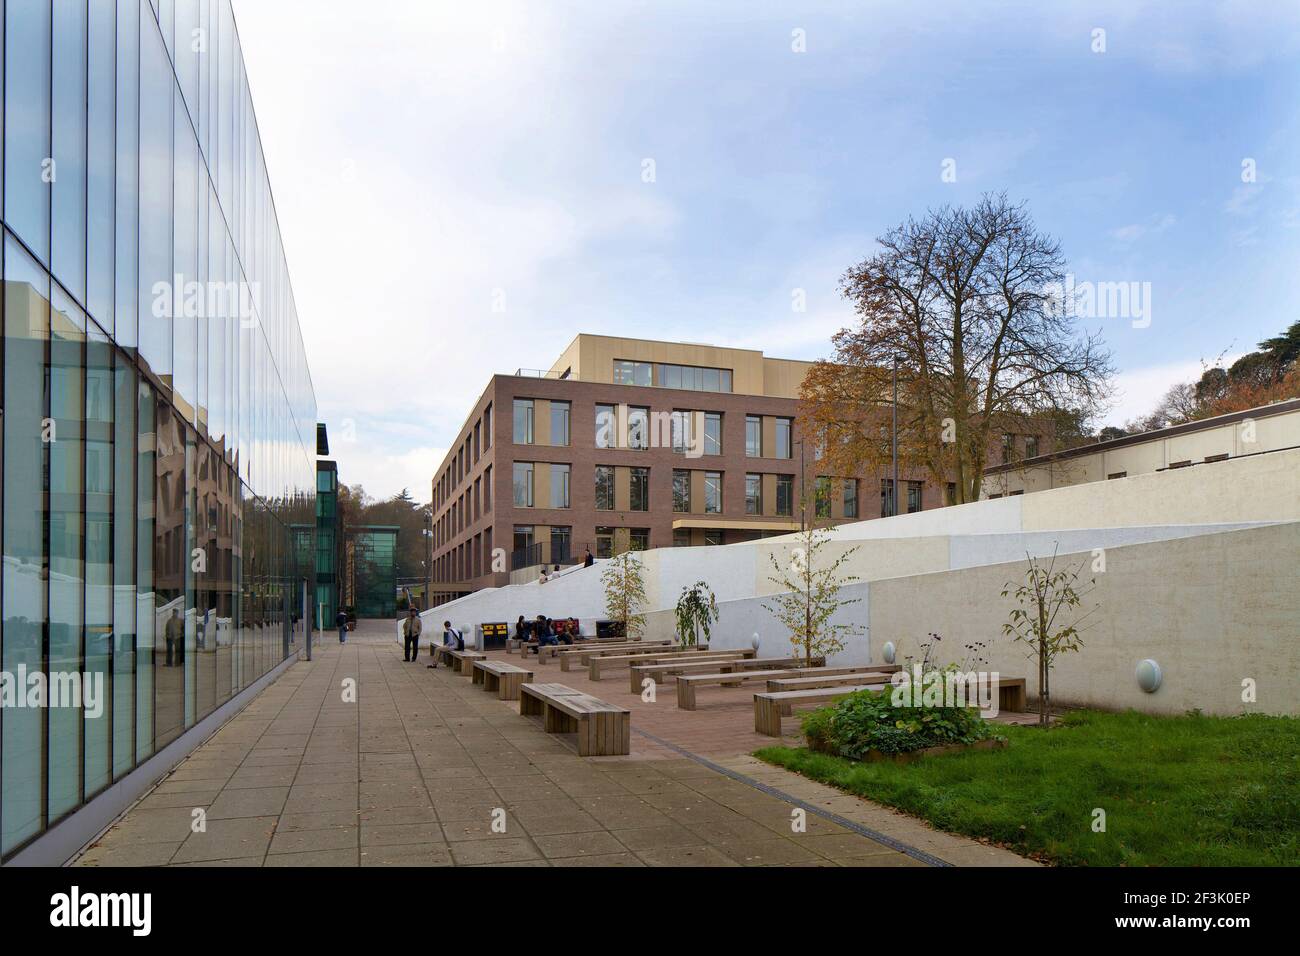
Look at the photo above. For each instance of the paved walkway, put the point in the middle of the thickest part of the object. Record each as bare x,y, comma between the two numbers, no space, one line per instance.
422,769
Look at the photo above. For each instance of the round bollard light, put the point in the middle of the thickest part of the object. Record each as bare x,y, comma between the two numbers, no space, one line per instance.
889,652
754,641
1149,676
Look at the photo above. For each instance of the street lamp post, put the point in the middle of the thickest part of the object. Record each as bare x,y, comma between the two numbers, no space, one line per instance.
893,508
428,561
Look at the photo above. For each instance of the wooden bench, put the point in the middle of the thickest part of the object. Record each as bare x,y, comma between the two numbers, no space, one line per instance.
501,678
457,660
583,655
597,665
602,728
770,707
637,673
779,685
688,684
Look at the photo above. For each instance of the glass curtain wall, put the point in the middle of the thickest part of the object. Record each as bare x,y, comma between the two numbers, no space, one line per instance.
159,418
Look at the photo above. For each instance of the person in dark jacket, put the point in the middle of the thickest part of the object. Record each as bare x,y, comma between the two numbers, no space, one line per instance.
589,560
341,622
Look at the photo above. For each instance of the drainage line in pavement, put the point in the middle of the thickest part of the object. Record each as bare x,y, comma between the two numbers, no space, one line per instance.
835,818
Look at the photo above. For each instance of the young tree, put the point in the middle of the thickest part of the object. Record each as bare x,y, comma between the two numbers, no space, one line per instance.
809,596
1045,595
625,593
963,301
696,611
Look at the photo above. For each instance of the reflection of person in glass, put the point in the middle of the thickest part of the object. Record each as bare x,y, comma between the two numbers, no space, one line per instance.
175,633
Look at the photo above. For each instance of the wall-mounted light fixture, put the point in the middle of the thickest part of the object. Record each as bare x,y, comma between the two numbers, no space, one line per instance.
889,652
1149,675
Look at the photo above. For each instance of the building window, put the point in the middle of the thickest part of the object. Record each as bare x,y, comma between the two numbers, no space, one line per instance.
713,433
713,492
638,427
681,431
487,489
523,484
487,426
850,497
604,542
785,495
559,423
1031,446
638,539
640,490
561,543
753,436
627,372
886,497
693,378
784,430
523,537
559,486
606,426
914,489
753,494
604,488
523,421
1008,447
681,490
712,536
950,493
823,502
682,538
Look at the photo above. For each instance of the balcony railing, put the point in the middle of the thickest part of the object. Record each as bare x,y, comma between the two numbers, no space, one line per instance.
545,552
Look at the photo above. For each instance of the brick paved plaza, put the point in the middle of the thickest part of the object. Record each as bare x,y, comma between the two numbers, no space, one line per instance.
416,770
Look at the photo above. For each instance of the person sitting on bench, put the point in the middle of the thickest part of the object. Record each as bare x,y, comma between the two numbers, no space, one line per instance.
450,638
544,632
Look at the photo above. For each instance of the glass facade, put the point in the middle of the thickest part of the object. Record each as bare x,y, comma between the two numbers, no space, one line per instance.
372,559
327,542
158,412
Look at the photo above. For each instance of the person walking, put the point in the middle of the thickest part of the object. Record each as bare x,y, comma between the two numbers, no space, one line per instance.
341,622
174,632
411,629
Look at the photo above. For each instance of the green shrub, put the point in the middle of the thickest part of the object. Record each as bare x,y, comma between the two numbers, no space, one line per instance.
868,720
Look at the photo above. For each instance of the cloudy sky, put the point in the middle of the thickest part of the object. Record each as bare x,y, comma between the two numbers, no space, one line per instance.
430,159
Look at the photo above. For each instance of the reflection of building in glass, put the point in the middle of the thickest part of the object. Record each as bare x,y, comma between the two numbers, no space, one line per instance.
327,541
372,570
157,405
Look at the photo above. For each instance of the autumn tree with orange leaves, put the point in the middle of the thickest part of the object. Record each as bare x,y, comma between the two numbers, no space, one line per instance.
963,299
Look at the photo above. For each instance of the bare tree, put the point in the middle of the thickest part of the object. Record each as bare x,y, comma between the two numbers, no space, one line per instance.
963,300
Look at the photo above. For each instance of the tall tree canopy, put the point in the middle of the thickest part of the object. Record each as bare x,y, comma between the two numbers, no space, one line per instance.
1270,374
962,298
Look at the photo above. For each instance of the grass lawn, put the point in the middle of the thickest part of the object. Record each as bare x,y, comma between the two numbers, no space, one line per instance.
1177,791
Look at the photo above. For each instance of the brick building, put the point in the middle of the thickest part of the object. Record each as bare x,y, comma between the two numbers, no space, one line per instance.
629,443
